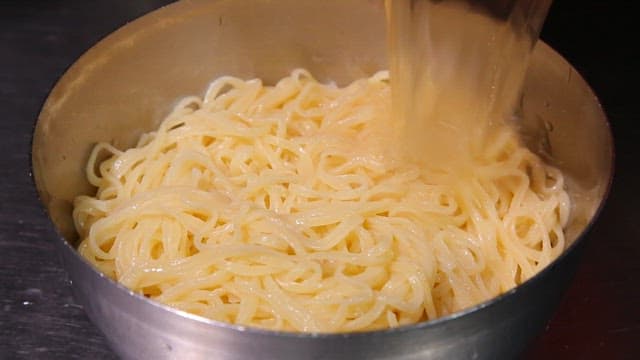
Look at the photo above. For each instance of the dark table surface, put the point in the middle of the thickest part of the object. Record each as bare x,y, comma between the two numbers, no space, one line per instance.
599,317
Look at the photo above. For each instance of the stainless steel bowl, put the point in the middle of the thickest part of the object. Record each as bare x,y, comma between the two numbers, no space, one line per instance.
124,85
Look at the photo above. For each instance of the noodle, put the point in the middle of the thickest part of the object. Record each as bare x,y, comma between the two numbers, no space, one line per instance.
284,207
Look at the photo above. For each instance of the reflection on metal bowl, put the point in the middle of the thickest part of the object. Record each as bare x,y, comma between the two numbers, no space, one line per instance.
124,85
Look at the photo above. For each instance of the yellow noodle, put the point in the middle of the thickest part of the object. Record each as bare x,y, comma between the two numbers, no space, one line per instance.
284,207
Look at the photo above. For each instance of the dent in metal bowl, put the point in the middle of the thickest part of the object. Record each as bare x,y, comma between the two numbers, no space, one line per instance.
124,86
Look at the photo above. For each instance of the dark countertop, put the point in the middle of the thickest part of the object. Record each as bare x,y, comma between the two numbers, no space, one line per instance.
39,39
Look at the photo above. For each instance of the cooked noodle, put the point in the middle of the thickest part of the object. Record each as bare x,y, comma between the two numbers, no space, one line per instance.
284,207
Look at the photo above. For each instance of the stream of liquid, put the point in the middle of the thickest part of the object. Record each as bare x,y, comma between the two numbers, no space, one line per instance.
457,68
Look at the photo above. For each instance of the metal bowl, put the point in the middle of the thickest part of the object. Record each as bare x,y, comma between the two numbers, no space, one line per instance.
124,86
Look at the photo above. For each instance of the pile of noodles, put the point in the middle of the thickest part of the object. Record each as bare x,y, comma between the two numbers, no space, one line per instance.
282,207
